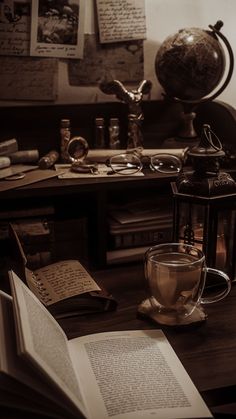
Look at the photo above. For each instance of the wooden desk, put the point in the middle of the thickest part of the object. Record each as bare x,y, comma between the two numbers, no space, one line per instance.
207,351
75,198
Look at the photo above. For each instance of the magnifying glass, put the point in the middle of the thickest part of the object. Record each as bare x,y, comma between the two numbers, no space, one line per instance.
77,150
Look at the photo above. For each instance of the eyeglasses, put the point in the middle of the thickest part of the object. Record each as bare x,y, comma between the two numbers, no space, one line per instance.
130,163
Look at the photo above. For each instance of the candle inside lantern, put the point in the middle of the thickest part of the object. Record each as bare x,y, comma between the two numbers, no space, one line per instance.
220,244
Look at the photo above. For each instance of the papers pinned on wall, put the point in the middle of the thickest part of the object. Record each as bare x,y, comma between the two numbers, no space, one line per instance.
121,20
15,27
32,31
57,31
27,78
119,61
38,28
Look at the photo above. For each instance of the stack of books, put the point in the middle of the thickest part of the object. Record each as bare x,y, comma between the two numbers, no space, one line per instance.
138,225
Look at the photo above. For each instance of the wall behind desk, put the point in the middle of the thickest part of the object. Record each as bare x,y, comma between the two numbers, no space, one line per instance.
163,17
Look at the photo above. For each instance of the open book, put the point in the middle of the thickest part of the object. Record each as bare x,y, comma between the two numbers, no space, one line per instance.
123,375
66,288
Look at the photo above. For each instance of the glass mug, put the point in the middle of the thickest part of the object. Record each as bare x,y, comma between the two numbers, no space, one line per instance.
176,275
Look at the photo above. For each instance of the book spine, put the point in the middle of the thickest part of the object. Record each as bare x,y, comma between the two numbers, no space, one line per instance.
141,238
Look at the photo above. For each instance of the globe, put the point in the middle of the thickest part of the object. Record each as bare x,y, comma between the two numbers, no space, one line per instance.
190,64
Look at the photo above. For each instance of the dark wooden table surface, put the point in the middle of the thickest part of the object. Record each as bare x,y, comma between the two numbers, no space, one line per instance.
207,350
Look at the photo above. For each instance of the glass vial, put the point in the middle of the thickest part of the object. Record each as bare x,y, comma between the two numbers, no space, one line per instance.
114,132
99,133
65,138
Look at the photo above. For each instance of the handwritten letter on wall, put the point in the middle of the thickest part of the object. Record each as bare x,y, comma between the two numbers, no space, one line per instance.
14,28
121,20
24,78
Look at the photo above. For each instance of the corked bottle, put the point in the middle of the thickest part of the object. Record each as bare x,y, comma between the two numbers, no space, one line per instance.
114,133
99,133
65,138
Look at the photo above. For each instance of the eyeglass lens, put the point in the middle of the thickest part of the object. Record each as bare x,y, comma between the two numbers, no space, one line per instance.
166,163
128,163
125,164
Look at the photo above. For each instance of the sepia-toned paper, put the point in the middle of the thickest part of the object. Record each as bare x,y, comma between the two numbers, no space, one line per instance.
121,20
121,61
63,279
28,78
58,30
15,27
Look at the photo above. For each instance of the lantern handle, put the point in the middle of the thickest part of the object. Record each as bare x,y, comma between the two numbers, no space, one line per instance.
208,135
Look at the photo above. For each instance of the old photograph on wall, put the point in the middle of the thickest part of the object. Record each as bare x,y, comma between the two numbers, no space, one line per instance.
57,28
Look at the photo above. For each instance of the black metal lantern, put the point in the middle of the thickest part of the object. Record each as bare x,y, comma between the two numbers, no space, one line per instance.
205,205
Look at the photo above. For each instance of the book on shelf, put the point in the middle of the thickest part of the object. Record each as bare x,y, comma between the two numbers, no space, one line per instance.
140,224
115,227
65,287
36,235
142,210
130,254
125,374
34,231
141,237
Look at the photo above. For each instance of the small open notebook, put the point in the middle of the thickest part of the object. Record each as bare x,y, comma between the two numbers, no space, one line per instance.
66,288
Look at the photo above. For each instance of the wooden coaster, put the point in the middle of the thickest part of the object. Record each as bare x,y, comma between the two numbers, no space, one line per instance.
147,310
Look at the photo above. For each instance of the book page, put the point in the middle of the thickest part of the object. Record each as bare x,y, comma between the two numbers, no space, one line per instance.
44,344
31,391
121,20
60,280
134,374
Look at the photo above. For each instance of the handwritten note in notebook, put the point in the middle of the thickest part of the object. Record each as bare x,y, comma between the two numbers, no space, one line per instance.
66,288
121,20
60,280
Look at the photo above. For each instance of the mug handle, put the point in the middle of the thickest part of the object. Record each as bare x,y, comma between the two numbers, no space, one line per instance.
221,294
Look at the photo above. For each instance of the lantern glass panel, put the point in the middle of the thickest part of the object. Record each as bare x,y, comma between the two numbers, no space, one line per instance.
225,259
222,248
212,231
191,224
